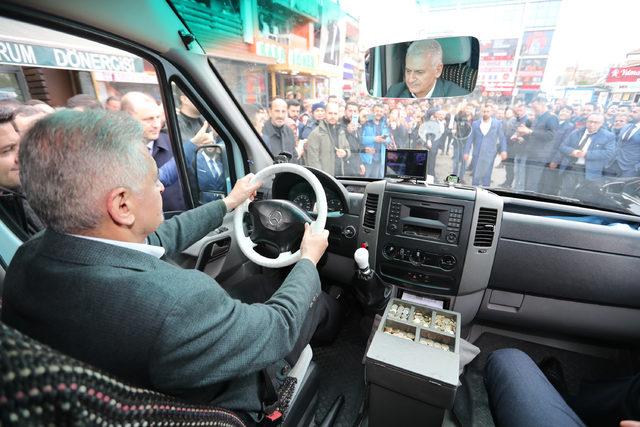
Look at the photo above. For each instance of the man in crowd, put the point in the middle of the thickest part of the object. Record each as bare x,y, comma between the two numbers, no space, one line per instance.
486,135
293,110
146,111
610,116
586,154
190,121
585,111
353,164
620,122
25,116
539,148
278,137
317,115
14,209
422,70
375,137
113,104
83,102
461,132
565,127
439,117
137,317
327,147
515,142
626,161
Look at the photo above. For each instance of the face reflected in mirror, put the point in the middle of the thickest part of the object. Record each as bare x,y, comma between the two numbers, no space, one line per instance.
423,66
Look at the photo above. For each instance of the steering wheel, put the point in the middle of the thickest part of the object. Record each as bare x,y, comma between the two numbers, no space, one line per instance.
278,223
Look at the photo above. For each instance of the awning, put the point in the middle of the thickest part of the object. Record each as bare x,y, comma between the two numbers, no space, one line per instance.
29,45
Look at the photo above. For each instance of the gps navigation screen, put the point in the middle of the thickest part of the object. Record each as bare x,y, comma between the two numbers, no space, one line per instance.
407,164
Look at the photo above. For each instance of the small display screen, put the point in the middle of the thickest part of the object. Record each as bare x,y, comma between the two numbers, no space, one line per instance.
409,164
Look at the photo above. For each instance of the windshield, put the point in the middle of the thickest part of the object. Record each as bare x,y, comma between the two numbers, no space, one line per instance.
552,114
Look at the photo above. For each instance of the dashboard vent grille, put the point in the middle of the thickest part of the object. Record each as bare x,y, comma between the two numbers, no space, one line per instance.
486,227
370,209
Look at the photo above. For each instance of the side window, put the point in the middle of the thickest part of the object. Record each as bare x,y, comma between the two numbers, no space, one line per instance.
203,149
43,70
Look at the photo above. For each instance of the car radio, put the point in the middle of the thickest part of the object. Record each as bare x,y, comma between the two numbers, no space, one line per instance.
423,242
423,220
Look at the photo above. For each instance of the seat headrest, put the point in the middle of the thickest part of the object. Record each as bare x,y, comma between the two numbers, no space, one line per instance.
455,50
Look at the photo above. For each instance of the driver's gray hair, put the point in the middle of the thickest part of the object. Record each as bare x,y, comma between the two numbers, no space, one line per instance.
429,47
70,160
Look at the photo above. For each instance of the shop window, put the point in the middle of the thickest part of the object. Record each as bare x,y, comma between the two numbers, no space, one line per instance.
203,149
12,84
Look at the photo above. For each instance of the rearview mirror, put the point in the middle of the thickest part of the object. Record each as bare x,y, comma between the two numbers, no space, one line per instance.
431,68
210,181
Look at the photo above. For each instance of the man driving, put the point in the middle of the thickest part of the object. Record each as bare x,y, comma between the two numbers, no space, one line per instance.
94,284
422,70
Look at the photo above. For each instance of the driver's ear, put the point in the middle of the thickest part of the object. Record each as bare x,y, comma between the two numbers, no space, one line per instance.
120,205
439,69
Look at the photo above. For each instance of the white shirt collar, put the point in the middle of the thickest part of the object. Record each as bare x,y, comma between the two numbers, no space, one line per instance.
146,248
428,94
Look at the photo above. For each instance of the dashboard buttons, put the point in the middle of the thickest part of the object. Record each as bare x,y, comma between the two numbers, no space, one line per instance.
452,237
448,261
417,256
390,251
349,232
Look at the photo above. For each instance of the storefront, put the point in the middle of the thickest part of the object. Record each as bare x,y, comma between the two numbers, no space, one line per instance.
624,83
43,64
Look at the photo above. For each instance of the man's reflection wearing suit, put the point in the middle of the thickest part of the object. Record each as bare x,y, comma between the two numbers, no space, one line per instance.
423,67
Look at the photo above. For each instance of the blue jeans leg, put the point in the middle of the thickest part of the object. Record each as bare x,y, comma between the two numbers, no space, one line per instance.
520,395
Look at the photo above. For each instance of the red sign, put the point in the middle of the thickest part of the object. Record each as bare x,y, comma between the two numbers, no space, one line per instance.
623,74
530,73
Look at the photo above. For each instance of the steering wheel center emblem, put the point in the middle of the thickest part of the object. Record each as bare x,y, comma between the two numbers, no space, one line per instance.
275,218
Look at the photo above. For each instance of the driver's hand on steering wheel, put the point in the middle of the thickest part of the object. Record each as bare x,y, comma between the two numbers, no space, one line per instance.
313,244
242,191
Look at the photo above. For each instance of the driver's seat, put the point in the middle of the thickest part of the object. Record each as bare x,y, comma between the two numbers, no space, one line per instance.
40,386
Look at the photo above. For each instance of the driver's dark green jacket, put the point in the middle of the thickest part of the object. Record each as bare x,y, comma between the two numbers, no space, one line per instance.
149,322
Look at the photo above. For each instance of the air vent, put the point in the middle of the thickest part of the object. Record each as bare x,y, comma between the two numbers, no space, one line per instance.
486,227
370,209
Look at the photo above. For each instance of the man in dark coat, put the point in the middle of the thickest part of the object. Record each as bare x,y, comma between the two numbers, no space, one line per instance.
148,113
353,164
540,146
278,137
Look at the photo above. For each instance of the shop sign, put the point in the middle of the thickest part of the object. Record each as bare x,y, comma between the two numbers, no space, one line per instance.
271,50
300,58
74,59
623,74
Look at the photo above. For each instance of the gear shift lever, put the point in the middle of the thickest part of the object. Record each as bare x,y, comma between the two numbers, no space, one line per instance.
361,256
371,291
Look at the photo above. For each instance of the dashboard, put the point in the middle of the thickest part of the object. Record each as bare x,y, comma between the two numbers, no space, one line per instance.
303,195
292,187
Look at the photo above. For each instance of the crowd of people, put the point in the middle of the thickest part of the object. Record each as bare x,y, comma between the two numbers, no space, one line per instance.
543,147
